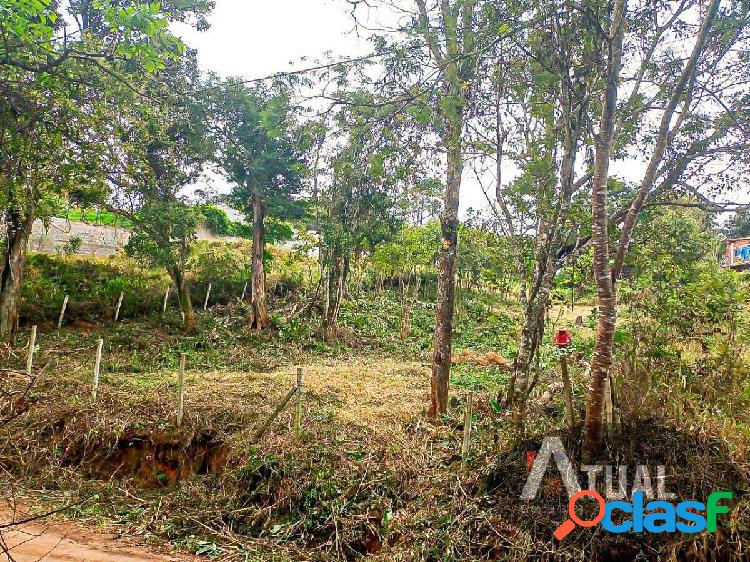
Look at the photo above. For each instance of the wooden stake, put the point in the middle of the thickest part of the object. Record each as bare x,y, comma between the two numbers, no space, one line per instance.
568,391
181,391
97,367
276,412
119,304
244,292
62,312
467,430
30,356
298,406
166,298
208,294
608,407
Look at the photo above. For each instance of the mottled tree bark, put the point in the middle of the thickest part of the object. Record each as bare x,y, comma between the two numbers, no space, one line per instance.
11,274
605,289
259,311
446,280
183,297
452,47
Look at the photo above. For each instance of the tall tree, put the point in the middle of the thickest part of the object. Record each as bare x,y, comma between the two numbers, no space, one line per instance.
165,147
534,108
259,153
698,126
450,36
360,199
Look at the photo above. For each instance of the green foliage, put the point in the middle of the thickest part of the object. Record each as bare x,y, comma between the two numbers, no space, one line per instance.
687,316
739,225
72,246
219,223
164,233
258,148
92,285
414,248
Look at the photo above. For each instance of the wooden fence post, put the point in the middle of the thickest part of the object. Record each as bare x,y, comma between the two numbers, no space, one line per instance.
97,367
62,312
279,407
30,356
166,298
568,392
298,406
609,414
467,430
208,295
119,304
181,391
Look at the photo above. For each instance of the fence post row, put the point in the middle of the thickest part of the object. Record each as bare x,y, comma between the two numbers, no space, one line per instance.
120,299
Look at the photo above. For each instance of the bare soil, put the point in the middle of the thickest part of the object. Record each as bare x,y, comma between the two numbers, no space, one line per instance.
54,541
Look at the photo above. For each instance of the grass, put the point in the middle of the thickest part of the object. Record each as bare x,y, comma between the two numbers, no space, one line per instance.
369,477
93,216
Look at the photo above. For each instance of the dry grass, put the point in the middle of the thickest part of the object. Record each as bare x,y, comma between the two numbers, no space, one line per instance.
368,477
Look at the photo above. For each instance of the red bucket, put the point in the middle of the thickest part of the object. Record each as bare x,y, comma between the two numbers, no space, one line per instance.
563,339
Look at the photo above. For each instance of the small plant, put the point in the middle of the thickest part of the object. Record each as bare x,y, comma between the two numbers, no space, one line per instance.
73,245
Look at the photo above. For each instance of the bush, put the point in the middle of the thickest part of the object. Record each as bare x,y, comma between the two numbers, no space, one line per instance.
93,286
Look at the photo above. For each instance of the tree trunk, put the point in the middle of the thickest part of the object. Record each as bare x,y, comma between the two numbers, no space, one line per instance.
446,281
605,289
259,311
183,298
335,293
11,273
531,336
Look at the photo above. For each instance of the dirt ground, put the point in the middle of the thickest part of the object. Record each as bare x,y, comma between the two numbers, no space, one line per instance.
66,541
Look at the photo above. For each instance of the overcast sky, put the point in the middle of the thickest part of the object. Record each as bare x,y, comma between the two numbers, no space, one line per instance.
256,38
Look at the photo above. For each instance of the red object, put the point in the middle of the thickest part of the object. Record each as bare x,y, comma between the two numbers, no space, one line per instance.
530,458
563,339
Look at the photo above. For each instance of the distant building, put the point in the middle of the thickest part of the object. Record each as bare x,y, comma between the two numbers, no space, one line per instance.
737,255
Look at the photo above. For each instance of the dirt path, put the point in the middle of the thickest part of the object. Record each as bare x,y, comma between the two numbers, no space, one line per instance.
56,541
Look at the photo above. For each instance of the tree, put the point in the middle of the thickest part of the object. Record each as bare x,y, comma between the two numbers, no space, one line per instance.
533,109
359,203
52,108
166,146
693,132
259,154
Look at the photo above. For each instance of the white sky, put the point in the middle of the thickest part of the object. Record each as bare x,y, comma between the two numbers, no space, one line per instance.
256,38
